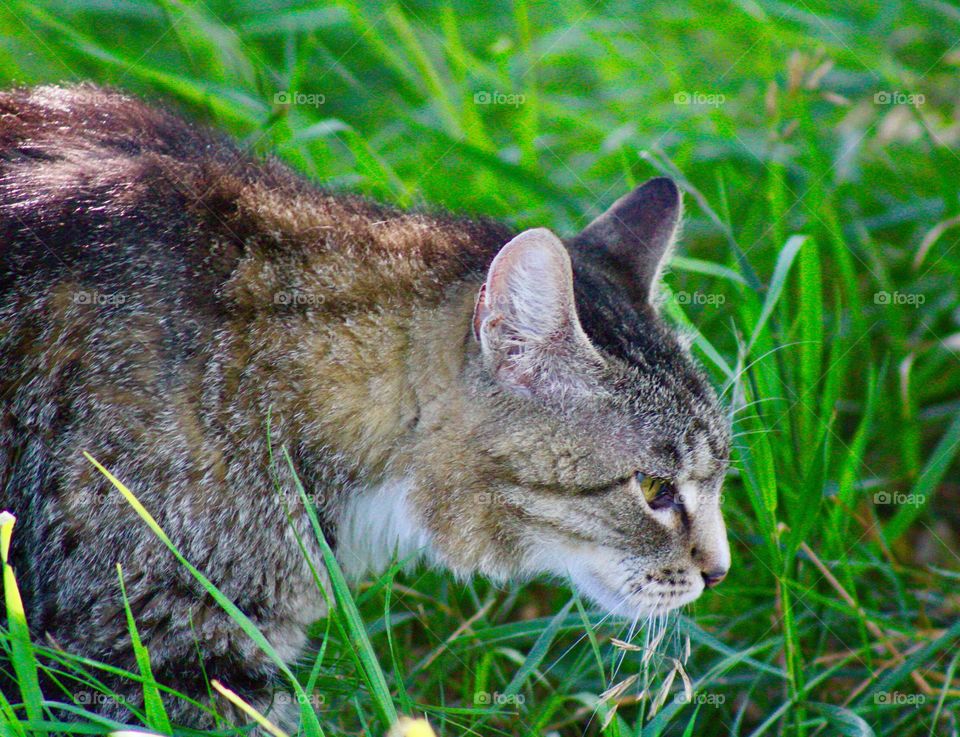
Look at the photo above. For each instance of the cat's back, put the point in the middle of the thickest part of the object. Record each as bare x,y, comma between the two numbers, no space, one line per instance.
96,186
113,252
151,275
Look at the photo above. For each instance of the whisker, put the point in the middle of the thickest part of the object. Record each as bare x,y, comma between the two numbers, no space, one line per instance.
755,402
586,632
744,433
733,380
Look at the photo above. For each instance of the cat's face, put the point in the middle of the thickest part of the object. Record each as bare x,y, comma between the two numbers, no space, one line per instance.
587,444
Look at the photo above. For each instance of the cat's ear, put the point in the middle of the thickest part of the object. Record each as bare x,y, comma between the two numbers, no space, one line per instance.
526,321
632,240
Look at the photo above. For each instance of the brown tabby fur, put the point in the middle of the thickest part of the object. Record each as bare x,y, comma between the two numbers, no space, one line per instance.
162,295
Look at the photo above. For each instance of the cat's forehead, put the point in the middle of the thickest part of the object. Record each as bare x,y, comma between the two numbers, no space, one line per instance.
675,434
668,406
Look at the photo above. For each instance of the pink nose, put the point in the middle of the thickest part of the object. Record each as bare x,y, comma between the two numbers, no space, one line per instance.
714,577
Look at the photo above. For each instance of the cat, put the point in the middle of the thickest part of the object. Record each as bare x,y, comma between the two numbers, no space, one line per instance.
497,403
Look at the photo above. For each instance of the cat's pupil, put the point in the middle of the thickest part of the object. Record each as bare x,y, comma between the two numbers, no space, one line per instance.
665,497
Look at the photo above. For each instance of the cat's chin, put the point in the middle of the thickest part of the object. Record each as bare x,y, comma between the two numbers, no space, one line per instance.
637,604
598,574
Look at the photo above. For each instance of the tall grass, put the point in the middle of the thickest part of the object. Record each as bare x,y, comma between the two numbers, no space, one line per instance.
816,143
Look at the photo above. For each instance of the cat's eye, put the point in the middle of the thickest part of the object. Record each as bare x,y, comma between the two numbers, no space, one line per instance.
659,493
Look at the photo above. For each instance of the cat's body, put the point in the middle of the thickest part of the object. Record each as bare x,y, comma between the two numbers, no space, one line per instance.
162,295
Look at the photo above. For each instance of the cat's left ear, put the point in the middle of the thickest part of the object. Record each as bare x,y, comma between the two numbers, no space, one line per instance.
631,242
526,320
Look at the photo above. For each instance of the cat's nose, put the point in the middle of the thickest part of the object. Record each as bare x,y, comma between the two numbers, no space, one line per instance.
714,577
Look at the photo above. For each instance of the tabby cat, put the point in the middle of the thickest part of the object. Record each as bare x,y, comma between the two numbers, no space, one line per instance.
499,403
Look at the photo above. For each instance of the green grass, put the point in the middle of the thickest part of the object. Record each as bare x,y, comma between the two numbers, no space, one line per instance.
822,298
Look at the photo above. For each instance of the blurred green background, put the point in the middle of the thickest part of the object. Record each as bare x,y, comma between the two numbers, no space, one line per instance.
818,273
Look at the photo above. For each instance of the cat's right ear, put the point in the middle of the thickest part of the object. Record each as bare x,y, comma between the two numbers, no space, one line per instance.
632,240
526,320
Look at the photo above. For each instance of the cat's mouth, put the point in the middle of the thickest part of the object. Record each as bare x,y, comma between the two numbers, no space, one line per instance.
623,586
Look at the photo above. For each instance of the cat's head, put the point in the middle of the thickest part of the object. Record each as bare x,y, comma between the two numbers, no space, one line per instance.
587,443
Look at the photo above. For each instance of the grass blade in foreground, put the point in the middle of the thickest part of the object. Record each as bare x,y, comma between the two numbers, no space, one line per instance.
248,627
24,662
369,665
152,703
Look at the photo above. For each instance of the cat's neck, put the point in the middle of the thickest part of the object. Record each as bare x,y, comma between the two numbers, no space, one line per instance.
420,384
441,344
363,388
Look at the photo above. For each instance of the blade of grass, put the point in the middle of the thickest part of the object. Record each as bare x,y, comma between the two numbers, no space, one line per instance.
157,718
9,718
784,261
404,697
932,474
539,651
425,67
845,721
248,627
810,309
363,650
21,648
707,268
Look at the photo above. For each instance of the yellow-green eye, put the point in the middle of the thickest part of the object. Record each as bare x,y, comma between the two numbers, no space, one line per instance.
659,493
650,486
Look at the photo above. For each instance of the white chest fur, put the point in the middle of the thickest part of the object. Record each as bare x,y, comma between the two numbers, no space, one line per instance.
376,525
